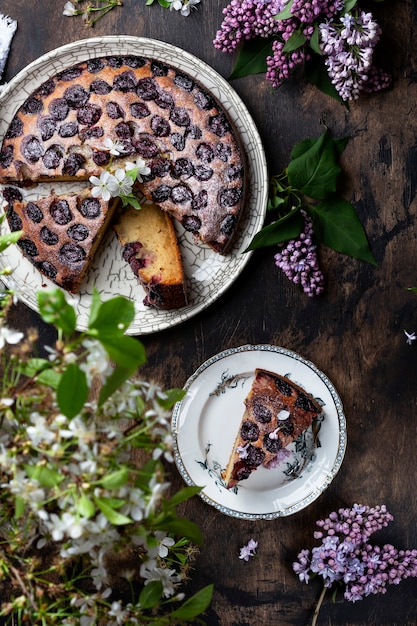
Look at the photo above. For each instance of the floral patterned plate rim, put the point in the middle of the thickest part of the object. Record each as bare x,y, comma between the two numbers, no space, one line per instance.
206,420
208,273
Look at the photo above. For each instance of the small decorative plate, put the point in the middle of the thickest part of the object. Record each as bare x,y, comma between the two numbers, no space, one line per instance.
208,273
206,421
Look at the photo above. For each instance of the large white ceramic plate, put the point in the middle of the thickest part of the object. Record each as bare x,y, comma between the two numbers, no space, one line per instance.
206,421
208,274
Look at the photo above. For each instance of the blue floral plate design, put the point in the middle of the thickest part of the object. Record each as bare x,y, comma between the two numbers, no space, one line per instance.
206,421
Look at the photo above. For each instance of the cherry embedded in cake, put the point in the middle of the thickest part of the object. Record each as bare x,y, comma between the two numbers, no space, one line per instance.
152,111
60,234
277,412
149,245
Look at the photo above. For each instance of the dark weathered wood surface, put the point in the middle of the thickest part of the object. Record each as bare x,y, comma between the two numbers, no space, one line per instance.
354,332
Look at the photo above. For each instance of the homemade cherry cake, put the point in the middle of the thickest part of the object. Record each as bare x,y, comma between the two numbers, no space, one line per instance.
277,412
149,245
60,234
153,111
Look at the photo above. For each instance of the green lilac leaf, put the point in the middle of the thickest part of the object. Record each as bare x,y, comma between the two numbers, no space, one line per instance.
349,4
55,310
85,507
115,479
315,41
337,225
285,14
297,40
316,73
115,518
316,172
72,392
195,605
278,232
151,594
252,58
113,317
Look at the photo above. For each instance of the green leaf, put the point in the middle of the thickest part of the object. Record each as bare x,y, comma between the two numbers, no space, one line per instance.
19,507
315,41
112,318
85,506
171,396
115,479
128,353
195,605
252,58
9,238
297,40
349,4
72,392
180,526
32,367
94,306
337,225
125,351
280,231
151,594
285,14
50,378
316,73
54,309
115,518
183,494
45,476
316,171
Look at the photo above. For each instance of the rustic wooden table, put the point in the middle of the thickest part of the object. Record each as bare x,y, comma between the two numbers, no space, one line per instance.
353,332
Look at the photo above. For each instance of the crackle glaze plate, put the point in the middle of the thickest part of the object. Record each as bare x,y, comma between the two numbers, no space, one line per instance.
208,274
206,421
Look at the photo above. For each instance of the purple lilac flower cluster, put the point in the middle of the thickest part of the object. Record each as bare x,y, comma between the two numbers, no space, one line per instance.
347,42
298,260
348,49
345,556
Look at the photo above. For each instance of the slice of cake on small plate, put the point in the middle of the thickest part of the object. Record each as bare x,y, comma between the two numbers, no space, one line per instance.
150,246
277,412
61,233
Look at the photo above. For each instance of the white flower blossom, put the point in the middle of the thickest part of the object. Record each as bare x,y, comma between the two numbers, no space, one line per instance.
39,432
124,182
97,361
140,166
116,148
9,336
184,6
105,187
410,337
168,577
164,545
69,9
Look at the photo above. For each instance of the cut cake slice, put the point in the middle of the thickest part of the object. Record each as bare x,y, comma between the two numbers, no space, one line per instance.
60,233
277,412
150,246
